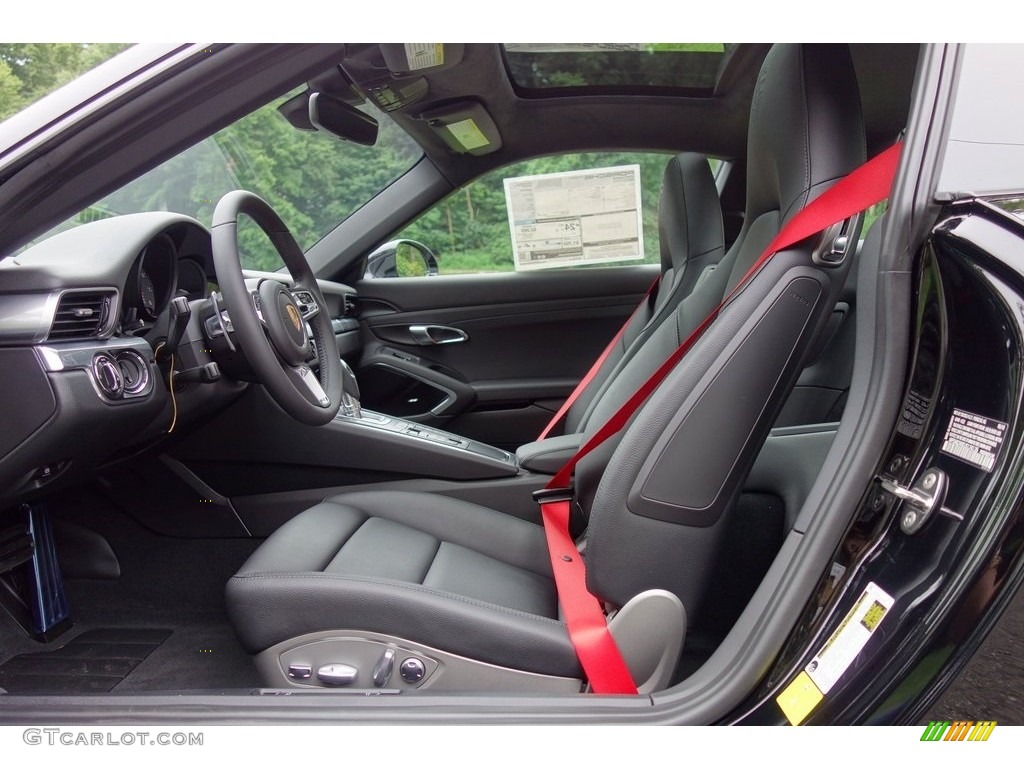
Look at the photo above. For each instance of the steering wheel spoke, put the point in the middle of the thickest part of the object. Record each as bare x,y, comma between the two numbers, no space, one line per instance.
308,306
256,306
307,382
313,358
280,329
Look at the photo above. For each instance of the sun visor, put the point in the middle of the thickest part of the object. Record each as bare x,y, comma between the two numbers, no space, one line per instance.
465,127
415,58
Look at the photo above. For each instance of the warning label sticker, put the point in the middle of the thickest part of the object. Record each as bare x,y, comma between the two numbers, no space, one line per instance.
424,55
974,439
846,643
799,699
468,134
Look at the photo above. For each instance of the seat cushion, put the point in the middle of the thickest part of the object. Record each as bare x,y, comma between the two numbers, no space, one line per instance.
429,569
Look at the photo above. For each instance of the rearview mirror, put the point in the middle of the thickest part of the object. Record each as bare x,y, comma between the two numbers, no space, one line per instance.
331,114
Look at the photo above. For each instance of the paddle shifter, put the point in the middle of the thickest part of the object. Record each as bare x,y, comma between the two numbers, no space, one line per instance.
350,393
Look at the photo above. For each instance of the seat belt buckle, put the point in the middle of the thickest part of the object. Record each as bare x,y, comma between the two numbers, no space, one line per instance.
548,495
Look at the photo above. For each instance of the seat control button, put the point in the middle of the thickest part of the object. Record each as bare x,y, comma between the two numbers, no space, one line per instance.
300,671
337,674
384,667
412,670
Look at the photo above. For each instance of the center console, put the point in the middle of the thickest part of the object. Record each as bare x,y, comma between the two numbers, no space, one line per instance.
427,451
428,438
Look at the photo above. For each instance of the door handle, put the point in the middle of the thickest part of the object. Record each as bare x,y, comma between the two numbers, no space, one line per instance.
437,334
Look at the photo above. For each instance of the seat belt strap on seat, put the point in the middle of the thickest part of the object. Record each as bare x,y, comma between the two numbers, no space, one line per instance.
595,647
589,375
588,628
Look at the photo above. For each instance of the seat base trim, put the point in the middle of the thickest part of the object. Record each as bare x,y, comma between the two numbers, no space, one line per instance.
441,671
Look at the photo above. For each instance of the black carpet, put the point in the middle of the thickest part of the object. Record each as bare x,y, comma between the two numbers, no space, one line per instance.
93,662
169,585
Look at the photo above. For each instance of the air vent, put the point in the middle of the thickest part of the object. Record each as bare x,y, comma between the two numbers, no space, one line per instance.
350,305
81,315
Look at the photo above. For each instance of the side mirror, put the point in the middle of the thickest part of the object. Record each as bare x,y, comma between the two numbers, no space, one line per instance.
401,258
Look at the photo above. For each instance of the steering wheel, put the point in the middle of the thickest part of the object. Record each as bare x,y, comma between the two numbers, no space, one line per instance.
270,323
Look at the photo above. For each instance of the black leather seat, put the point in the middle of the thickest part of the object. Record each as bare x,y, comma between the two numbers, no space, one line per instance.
692,242
436,570
438,579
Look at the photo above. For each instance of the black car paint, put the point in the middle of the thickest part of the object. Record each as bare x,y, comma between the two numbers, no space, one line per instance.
952,579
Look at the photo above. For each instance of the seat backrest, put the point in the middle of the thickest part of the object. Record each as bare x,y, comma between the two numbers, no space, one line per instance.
659,499
690,228
692,240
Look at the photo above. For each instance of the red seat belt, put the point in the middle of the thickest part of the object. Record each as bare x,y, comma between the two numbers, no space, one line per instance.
589,375
584,617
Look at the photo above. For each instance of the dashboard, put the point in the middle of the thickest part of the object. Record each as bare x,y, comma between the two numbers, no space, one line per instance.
104,349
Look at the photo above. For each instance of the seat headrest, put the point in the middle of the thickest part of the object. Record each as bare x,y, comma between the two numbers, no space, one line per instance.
806,127
689,211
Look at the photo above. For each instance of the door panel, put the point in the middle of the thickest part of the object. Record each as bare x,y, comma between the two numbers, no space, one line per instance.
489,356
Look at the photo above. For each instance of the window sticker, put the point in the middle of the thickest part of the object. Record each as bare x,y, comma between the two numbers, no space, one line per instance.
574,218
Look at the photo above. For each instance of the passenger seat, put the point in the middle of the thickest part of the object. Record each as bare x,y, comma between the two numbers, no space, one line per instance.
692,243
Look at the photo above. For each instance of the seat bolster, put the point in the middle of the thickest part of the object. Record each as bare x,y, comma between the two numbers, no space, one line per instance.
503,537
269,607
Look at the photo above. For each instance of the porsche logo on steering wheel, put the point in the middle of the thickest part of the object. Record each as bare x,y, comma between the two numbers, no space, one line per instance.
293,315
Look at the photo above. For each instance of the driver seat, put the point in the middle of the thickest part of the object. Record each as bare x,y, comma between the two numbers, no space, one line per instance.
404,590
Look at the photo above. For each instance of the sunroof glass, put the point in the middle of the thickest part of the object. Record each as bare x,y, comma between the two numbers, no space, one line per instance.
614,66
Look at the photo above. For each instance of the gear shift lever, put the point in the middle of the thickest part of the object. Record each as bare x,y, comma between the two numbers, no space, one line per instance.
350,393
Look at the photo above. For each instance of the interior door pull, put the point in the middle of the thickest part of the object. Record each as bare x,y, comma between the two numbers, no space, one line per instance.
437,334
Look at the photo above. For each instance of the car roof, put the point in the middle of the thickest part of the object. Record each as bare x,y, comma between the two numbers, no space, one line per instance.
536,123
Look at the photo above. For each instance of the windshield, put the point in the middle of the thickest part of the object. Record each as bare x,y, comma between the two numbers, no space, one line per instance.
312,179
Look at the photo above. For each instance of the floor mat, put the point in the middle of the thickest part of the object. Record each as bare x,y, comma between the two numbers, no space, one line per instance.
171,583
200,655
93,662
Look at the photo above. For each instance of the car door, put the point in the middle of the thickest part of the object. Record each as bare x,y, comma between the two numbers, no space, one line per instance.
490,357
476,341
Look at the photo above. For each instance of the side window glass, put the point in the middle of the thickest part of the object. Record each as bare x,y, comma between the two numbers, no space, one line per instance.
566,211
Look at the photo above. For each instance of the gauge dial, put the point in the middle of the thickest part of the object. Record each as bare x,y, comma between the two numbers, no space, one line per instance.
153,281
147,295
